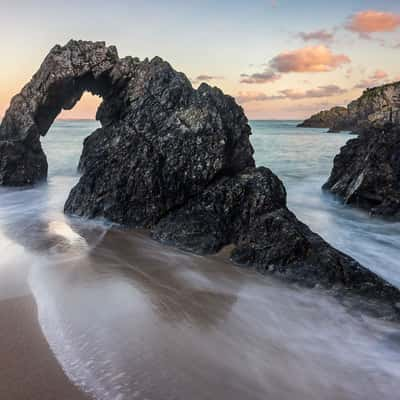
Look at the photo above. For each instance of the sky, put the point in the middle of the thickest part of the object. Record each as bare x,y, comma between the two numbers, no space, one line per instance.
280,59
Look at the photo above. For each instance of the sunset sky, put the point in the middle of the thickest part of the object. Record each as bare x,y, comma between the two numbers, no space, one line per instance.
280,59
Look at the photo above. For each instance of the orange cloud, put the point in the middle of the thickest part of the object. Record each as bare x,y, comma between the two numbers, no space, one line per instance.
370,21
309,59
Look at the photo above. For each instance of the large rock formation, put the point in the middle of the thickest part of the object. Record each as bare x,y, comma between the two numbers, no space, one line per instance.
366,172
375,108
172,159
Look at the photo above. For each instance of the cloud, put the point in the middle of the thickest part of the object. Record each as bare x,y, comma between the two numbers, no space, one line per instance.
365,84
308,59
376,79
247,97
260,77
349,72
207,78
371,21
379,74
319,92
320,36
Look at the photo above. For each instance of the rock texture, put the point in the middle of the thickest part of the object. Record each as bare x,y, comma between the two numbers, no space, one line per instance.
375,108
366,172
175,160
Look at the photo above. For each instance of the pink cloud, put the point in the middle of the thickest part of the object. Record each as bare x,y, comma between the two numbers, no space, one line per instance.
308,59
321,36
379,74
371,21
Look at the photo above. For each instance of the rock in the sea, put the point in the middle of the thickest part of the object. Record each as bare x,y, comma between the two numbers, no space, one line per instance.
249,211
174,159
325,118
374,108
366,172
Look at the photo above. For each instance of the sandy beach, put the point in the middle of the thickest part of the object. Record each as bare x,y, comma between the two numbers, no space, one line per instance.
28,368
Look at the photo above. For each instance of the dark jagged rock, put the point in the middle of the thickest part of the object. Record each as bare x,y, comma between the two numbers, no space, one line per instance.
374,108
175,160
366,172
249,211
170,143
325,118
223,212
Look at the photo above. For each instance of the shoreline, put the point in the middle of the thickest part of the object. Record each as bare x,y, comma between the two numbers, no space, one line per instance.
29,369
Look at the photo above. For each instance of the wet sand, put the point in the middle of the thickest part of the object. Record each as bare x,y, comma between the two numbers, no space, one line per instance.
28,369
132,319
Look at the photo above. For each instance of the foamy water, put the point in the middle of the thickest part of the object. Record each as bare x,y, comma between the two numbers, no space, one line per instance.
129,318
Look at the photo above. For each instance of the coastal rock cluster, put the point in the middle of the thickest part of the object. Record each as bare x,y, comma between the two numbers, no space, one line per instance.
373,109
366,172
172,159
325,118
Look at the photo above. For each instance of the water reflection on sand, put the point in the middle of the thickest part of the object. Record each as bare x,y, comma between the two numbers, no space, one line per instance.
131,318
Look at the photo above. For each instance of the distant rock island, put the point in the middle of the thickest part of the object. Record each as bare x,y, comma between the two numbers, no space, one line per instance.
325,118
175,160
375,108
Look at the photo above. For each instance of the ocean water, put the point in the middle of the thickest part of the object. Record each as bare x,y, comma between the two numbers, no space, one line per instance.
129,318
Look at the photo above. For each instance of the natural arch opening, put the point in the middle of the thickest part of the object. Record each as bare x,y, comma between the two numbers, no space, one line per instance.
85,108
65,74
64,95
63,144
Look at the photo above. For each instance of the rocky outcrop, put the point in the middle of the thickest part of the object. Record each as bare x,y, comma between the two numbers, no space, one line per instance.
375,108
366,172
175,160
325,118
60,82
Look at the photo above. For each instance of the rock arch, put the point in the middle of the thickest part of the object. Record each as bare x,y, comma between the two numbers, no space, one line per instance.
161,141
174,159
59,84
